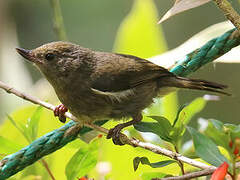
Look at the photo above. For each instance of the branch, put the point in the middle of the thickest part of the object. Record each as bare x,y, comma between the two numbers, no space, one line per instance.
204,172
124,138
187,176
229,12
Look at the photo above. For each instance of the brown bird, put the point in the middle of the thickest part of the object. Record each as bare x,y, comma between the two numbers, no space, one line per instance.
98,85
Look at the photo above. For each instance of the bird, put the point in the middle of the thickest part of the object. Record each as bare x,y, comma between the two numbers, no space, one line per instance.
95,85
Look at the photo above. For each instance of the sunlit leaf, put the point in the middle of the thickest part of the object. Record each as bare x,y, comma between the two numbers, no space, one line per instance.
145,161
20,127
169,106
191,109
206,148
84,160
184,115
8,146
139,34
178,114
181,6
33,123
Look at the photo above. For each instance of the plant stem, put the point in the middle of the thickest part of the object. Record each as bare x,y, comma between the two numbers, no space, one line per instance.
234,169
229,12
180,162
58,20
45,164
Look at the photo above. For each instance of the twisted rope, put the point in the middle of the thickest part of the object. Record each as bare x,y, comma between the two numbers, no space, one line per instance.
207,53
58,138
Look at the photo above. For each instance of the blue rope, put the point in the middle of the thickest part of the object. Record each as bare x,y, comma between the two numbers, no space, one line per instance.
58,138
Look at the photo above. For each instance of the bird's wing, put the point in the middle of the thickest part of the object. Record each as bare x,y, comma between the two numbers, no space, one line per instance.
117,78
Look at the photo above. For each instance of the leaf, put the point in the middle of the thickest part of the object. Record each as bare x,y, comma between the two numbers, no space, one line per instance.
8,146
216,133
181,6
151,175
184,115
161,129
138,34
84,160
145,161
164,122
217,124
33,122
178,114
20,127
30,129
206,149
191,109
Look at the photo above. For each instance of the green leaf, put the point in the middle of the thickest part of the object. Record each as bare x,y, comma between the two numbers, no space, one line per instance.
139,34
190,110
235,132
145,161
164,122
20,127
155,128
178,114
184,115
217,124
216,133
33,122
84,160
151,175
30,129
8,146
206,148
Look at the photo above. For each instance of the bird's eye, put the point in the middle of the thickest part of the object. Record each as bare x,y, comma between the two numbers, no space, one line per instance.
49,56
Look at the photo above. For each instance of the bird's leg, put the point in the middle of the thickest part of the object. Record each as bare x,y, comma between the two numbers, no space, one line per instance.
114,133
60,111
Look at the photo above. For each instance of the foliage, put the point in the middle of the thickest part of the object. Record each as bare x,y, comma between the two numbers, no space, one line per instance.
137,35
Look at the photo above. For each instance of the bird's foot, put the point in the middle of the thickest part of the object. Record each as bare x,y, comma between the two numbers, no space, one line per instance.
60,111
114,133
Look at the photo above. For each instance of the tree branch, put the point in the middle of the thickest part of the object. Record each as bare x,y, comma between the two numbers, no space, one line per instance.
133,142
229,12
204,172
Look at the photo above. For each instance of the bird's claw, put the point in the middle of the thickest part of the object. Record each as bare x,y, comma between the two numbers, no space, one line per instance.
114,133
60,111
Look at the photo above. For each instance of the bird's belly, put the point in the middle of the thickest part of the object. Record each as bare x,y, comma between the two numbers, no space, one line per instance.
91,107
134,104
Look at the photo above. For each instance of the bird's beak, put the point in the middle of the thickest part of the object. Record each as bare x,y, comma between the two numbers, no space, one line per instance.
26,54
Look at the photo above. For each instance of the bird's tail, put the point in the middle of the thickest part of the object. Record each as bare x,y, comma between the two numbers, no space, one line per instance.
199,84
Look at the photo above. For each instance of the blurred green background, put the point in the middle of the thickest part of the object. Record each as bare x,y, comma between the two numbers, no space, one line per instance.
95,24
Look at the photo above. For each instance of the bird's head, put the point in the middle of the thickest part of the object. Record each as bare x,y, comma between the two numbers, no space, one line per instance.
59,59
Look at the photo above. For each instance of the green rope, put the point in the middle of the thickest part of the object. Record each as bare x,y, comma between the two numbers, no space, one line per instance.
207,53
58,138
